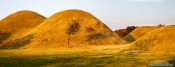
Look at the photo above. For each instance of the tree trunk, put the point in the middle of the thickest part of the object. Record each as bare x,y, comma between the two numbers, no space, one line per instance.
68,41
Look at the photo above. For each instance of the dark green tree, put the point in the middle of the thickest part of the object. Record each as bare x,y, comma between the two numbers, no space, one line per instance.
73,28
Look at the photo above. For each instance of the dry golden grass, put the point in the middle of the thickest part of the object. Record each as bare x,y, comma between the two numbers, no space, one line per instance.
104,55
93,56
54,32
17,24
91,50
160,39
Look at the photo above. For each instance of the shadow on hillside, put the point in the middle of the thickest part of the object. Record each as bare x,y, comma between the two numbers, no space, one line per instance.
17,43
129,38
4,36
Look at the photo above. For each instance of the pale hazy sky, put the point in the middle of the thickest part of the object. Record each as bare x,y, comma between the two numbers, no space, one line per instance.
114,13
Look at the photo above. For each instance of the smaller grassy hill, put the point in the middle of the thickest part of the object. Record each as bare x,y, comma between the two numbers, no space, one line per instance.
17,24
160,39
138,32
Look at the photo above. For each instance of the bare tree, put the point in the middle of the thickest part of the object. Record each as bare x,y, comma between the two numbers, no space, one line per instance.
73,28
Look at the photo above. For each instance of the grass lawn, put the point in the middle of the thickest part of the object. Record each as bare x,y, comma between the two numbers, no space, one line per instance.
100,56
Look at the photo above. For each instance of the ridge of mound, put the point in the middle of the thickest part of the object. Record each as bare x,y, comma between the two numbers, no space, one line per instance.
160,39
138,32
17,24
72,28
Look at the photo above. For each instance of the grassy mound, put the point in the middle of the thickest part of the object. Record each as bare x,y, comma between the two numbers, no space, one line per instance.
72,28
17,24
160,39
138,32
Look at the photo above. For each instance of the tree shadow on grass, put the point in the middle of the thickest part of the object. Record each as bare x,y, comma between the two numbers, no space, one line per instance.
66,61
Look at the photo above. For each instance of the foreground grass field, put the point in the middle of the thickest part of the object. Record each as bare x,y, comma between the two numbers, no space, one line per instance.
94,56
